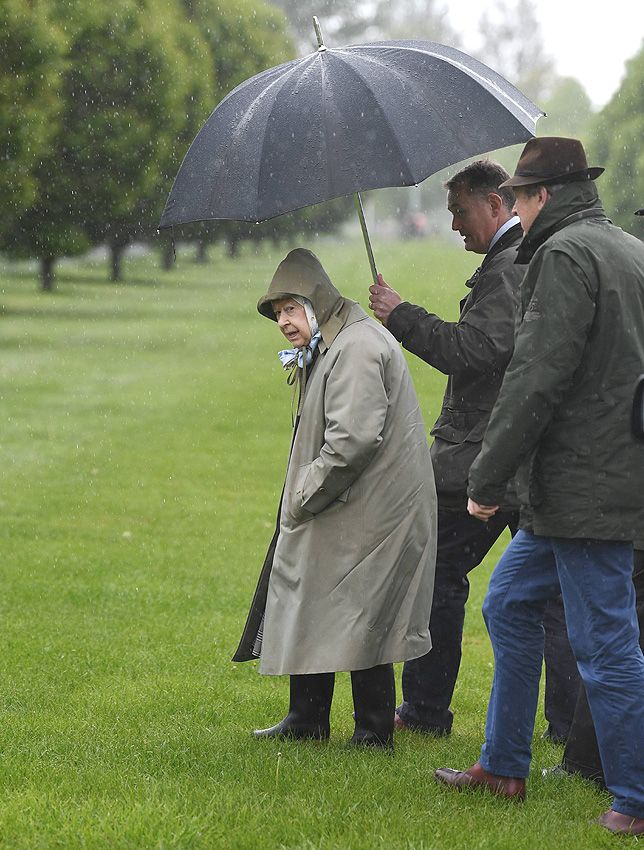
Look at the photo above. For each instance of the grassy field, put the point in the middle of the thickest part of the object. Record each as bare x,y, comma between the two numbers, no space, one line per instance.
145,430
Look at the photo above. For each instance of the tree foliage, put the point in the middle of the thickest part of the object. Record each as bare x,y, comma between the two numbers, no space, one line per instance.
31,65
569,111
616,143
131,111
243,37
131,83
122,112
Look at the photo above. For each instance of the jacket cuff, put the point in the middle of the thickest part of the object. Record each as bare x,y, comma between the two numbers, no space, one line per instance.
401,320
487,495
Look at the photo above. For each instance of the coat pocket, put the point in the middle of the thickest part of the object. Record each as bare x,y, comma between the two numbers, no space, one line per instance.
292,509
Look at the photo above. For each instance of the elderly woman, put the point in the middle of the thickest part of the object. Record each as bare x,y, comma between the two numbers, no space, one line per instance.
348,578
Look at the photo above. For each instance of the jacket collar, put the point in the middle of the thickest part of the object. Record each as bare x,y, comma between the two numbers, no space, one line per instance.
573,202
512,236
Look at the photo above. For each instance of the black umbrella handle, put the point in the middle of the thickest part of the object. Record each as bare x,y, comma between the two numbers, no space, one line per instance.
365,234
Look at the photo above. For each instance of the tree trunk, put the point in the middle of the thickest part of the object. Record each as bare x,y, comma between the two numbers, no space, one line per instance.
202,251
167,255
116,255
47,273
233,247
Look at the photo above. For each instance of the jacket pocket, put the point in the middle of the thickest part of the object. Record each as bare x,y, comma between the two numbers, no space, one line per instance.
461,432
453,452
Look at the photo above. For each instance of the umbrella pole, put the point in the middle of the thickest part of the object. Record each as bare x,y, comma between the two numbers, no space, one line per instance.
365,233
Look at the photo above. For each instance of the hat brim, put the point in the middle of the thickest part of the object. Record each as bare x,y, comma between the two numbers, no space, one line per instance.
569,177
639,212
265,304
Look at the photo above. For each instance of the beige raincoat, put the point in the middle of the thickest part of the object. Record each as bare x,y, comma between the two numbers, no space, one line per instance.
348,583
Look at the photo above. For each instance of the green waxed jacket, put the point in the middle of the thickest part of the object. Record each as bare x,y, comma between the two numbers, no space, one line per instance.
562,418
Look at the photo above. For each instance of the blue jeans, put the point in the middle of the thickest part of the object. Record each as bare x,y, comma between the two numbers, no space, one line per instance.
595,581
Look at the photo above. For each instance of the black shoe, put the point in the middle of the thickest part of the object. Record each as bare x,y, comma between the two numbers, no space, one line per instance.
297,731
403,721
555,772
562,770
556,738
437,731
366,738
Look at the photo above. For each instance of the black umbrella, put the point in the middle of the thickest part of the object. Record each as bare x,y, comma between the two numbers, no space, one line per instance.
341,121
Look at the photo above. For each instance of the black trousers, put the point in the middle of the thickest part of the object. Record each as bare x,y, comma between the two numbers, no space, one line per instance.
562,676
428,682
581,754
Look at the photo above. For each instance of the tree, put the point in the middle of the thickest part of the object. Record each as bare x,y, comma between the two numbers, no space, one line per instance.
39,221
127,88
31,65
347,21
129,109
568,109
616,143
513,46
243,37
414,19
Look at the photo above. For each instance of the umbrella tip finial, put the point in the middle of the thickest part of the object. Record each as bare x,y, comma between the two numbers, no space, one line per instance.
318,33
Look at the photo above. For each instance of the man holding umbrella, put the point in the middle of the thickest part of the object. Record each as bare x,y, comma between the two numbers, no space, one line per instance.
562,424
473,352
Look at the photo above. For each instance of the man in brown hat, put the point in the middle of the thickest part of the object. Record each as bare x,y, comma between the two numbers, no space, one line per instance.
561,424
473,352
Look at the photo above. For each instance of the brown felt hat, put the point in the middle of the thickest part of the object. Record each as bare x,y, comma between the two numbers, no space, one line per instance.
552,159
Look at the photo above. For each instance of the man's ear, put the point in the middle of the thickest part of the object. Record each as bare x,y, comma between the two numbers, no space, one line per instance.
543,196
496,203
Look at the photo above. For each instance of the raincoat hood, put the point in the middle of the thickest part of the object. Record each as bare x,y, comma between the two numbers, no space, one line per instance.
574,201
301,273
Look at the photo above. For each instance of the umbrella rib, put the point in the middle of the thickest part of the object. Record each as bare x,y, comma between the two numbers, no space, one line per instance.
410,177
438,114
323,95
274,88
471,72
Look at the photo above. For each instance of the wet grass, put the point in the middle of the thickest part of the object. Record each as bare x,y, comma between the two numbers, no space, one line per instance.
144,436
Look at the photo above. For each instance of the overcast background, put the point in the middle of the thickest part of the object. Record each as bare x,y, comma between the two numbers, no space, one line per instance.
588,41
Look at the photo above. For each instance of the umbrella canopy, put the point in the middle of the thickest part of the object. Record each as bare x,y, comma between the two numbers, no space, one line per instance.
341,121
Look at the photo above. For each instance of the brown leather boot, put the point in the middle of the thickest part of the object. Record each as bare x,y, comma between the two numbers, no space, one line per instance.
622,824
476,777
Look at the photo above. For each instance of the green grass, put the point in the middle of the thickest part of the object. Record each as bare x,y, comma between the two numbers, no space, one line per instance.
145,431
